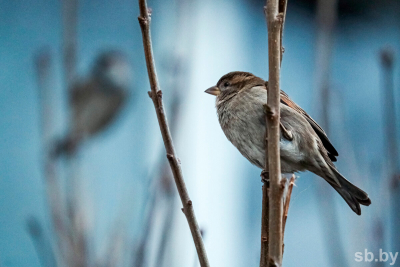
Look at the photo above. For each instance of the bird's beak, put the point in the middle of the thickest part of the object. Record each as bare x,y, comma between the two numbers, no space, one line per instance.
213,91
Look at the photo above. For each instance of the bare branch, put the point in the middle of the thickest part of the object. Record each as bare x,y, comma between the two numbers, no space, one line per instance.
53,187
41,242
156,96
282,10
70,13
326,21
264,226
287,201
388,60
277,185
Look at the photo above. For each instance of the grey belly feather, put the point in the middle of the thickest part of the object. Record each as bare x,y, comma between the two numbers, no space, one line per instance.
244,126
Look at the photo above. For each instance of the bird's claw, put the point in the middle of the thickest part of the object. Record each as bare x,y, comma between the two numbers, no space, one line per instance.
265,177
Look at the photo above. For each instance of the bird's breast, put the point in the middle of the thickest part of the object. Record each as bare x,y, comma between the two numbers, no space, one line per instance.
244,126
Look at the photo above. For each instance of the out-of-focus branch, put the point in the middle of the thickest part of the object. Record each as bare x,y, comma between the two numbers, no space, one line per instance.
53,188
275,19
169,215
156,96
326,21
79,249
392,155
69,15
41,243
389,112
140,249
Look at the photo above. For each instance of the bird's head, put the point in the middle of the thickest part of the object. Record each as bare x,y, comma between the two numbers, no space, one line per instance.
113,68
233,82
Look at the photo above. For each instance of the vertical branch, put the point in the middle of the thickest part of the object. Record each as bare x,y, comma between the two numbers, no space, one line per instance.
265,225
54,196
389,112
69,15
282,10
156,96
76,217
41,242
392,154
326,21
140,251
275,233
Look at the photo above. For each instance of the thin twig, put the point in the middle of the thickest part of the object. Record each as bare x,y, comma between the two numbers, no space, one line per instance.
387,57
70,13
169,215
389,112
41,242
79,251
286,208
277,185
287,201
140,250
282,10
326,21
53,187
156,96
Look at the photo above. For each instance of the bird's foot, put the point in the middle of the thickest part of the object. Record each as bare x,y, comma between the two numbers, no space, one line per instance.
287,134
265,177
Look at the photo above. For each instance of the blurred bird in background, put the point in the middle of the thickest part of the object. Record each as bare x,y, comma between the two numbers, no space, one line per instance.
96,101
304,145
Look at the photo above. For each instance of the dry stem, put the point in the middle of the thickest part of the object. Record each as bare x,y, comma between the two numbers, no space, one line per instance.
264,226
156,96
287,201
286,208
275,233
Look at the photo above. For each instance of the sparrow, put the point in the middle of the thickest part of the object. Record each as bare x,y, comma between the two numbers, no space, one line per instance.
97,100
304,146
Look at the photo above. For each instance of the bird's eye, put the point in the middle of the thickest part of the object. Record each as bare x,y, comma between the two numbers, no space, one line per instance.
226,84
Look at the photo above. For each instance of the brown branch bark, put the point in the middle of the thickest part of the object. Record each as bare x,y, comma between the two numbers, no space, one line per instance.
156,95
287,202
282,10
277,185
265,225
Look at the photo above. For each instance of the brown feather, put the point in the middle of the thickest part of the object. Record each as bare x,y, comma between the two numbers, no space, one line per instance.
332,153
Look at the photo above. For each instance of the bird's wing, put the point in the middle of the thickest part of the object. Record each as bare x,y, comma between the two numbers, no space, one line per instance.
332,153
80,92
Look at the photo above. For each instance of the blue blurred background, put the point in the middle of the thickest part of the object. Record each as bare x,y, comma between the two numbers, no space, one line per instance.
119,168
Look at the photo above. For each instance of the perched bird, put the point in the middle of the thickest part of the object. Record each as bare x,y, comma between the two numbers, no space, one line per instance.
95,102
240,100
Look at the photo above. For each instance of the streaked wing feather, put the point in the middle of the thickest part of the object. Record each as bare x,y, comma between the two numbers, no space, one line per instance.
332,153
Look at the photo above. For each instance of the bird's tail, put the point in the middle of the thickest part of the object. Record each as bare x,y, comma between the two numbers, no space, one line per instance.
353,195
